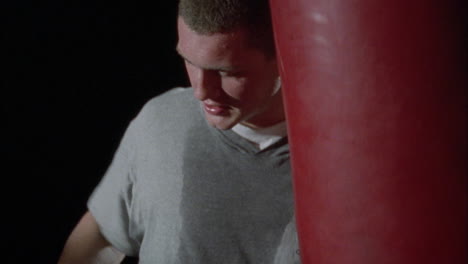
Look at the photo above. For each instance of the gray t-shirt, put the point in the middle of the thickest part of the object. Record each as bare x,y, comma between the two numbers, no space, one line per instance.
179,191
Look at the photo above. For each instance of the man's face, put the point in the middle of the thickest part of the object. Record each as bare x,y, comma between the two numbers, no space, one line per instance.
234,81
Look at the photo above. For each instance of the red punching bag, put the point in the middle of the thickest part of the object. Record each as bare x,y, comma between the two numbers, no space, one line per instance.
375,94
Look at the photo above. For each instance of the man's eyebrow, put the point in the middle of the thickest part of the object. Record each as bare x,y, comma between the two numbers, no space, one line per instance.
181,55
225,69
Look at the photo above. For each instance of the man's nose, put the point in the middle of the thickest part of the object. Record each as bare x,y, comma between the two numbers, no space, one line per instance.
206,84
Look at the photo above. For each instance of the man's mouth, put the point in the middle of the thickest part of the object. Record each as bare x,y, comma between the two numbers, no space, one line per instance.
216,109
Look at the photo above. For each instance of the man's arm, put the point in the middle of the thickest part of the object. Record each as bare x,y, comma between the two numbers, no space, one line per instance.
86,245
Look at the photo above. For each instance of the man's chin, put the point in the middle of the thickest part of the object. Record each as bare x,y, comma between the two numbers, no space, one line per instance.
221,123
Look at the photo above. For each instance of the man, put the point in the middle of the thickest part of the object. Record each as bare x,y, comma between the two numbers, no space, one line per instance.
204,179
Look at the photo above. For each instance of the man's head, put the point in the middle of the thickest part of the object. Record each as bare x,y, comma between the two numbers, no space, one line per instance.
224,16
229,54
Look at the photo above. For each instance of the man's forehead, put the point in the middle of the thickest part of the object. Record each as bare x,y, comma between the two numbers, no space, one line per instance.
204,54
206,66
196,48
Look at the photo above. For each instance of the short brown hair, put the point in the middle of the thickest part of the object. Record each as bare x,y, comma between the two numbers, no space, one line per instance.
224,16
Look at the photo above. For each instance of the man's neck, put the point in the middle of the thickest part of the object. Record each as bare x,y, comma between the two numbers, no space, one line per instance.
272,114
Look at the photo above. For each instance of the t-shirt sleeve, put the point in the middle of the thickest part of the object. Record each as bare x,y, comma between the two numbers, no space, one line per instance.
111,201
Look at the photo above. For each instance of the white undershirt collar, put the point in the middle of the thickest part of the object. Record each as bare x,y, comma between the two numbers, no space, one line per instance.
262,137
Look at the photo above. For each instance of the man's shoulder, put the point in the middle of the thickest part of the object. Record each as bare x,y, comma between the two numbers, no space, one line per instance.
172,98
173,107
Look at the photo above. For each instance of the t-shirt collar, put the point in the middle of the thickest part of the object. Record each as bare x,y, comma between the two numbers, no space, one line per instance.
262,137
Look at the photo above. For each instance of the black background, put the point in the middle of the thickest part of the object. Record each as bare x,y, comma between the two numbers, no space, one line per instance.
74,74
